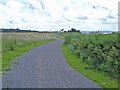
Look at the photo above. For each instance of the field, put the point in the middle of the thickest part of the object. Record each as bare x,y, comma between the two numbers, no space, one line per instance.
12,41
94,55
14,44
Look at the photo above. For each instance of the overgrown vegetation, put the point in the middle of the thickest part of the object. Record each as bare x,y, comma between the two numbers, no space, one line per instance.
99,51
12,41
14,44
102,79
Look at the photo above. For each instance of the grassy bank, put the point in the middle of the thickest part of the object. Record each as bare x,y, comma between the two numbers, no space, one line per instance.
99,51
101,79
10,55
13,41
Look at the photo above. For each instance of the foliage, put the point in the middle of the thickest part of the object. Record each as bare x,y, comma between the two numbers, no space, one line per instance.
74,30
102,79
14,44
100,51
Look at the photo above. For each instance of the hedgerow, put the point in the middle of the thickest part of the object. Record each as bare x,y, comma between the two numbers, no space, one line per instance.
100,51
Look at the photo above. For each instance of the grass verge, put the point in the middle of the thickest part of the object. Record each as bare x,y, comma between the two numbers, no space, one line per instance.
100,78
10,55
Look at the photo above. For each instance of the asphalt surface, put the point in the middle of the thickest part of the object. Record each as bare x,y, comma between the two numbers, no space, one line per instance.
45,67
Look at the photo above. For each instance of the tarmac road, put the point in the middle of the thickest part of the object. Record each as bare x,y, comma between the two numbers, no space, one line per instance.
45,67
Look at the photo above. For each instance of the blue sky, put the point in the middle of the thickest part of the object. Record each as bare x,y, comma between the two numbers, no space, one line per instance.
58,14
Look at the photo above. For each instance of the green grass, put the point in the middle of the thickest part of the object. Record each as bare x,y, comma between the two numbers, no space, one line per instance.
100,78
10,55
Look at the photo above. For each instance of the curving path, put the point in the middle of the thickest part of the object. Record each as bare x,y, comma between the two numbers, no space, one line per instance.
45,67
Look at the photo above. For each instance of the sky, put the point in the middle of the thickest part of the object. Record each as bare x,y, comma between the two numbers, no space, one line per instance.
54,15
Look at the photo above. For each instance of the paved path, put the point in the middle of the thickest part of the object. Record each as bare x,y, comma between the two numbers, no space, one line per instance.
45,67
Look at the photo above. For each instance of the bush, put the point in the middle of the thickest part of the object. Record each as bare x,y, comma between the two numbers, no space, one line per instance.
100,51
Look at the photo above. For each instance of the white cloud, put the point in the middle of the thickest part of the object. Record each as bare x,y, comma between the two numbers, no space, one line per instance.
58,14
15,5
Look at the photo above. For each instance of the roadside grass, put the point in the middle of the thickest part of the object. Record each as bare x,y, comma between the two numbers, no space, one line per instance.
10,55
102,79
0,55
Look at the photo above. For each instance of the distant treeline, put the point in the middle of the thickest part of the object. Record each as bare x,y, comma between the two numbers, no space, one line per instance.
89,32
18,30
72,30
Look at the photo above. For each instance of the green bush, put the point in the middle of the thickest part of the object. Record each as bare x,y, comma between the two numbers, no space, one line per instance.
100,51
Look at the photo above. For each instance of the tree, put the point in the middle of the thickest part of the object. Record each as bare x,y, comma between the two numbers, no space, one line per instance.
73,30
61,30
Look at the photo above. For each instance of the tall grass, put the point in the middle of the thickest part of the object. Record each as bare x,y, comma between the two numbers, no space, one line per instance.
14,44
12,41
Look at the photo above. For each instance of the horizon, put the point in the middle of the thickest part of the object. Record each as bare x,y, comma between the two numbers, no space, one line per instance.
63,30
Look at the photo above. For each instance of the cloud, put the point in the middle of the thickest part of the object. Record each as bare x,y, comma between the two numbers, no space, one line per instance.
3,2
43,6
83,17
65,8
57,14
30,6
111,17
15,5
10,21
67,19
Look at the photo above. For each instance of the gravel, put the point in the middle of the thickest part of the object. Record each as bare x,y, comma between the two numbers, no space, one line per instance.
45,67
